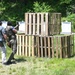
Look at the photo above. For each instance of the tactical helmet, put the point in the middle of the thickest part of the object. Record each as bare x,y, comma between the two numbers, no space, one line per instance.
9,23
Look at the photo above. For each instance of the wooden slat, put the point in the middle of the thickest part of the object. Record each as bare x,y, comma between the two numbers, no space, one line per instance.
26,47
65,52
46,22
38,26
38,47
68,47
30,24
62,47
42,22
49,47
17,45
29,45
41,39
45,46
26,23
52,47
57,48
33,45
34,25
23,45
20,44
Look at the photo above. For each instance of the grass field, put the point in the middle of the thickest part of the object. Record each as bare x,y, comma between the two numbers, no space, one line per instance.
38,66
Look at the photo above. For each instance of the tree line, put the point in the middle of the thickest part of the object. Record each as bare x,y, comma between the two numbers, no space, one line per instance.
14,10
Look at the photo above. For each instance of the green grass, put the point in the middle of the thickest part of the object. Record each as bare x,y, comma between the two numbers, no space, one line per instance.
38,66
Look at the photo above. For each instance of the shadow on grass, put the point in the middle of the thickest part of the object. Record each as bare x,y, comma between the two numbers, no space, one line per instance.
73,56
20,60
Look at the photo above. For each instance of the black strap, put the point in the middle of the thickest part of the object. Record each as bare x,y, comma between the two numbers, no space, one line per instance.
3,39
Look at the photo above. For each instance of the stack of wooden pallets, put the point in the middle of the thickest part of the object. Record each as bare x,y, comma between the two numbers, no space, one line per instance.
42,37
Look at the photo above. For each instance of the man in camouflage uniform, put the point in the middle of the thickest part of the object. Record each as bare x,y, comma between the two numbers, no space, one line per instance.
11,40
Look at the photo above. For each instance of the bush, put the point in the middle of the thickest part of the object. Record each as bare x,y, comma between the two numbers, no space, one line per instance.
41,7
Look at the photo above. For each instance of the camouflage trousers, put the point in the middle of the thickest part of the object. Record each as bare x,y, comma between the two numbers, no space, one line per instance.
13,43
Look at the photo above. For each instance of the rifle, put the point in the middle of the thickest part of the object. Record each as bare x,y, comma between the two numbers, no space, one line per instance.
16,26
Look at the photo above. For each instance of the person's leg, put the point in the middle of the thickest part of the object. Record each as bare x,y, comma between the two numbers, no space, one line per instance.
3,54
14,49
10,58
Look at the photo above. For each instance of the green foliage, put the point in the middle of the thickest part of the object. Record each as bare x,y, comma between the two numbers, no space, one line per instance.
65,1
14,10
41,7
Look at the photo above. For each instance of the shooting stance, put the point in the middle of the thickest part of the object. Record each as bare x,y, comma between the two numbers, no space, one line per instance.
11,40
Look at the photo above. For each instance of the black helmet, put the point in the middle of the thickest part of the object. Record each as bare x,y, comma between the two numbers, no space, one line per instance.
9,23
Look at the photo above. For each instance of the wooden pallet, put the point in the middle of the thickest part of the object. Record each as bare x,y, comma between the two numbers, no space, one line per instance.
42,23
45,46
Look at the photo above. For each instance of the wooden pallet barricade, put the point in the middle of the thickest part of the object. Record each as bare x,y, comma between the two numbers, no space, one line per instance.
60,46
54,25
56,46
42,23
26,45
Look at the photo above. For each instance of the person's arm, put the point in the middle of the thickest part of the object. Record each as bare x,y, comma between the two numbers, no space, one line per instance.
5,36
14,30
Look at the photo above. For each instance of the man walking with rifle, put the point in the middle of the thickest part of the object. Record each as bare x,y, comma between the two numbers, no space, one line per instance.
11,40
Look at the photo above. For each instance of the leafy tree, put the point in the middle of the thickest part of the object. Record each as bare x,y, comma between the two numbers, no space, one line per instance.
41,7
14,10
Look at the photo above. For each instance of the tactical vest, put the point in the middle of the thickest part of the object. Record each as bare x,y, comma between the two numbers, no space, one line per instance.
9,32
